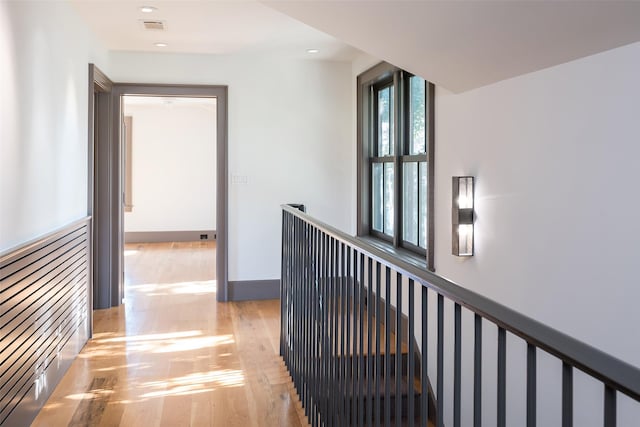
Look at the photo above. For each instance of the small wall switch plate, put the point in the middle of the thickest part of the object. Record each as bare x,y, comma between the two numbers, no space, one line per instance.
239,179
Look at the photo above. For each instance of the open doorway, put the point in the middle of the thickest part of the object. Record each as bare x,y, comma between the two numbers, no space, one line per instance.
108,198
169,176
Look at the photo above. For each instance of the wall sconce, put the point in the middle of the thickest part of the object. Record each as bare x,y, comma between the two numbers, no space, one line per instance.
462,216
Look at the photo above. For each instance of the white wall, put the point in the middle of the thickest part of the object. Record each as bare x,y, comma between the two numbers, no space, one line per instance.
290,124
44,54
555,156
173,165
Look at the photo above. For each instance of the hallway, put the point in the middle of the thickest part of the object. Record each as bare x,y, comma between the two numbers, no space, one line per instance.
173,356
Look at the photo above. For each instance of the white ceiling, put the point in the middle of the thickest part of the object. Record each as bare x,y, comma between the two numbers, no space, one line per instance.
457,44
207,26
462,45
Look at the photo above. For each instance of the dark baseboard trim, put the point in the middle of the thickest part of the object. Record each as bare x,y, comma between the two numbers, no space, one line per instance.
245,290
168,236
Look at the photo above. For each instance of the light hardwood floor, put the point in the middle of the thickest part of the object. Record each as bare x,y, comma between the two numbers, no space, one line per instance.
172,356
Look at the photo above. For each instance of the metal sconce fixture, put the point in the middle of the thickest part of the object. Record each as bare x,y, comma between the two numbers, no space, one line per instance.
462,216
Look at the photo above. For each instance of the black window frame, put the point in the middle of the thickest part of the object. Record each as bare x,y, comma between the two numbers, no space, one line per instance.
368,85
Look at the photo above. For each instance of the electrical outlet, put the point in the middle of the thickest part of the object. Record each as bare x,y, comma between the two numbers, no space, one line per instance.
204,237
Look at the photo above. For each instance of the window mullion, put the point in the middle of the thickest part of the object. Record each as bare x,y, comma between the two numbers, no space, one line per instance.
398,84
430,135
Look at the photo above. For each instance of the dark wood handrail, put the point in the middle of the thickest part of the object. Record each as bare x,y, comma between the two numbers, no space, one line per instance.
613,372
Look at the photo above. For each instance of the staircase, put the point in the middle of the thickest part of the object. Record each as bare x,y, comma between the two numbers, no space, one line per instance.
364,398
354,361
373,387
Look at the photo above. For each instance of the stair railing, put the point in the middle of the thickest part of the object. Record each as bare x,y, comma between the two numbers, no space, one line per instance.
343,339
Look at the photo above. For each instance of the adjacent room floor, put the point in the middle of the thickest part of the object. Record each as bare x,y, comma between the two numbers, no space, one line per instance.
173,356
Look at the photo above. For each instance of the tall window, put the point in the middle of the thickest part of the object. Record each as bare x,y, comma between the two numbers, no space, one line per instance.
395,160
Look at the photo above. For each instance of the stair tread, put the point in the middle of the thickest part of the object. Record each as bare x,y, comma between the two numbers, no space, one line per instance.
365,337
392,389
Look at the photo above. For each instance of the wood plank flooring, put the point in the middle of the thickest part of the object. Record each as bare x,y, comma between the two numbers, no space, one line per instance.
172,356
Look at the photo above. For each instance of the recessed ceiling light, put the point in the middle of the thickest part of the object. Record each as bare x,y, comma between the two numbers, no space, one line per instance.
148,9
160,44
312,51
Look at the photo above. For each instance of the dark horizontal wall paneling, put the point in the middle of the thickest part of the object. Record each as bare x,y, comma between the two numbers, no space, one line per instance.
44,318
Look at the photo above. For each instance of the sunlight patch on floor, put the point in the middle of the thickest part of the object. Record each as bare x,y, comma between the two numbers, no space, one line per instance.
109,345
196,343
200,382
89,395
179,288
150,337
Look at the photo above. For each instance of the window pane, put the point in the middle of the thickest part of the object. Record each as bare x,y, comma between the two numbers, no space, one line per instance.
410,203
376,196
388,198
422,209
391,126
385,121
417,124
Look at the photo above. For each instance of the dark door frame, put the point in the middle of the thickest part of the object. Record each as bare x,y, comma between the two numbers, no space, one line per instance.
102,190
108,215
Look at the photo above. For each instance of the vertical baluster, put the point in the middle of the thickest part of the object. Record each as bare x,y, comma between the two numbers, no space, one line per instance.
301,314
348,393
411,338
294,300
440,363
283,271
312,327
340,332
290,298
609,407
424,380
387,349
319,327
321,331
378,387
326,354
309,286
457,367
284,293
370,358
305,318
399,355
502,377
300,302
334,334
336,370
567,395
297,306
289,308
477,372
290,295
361,367
531,385
314,330
343,336
355,358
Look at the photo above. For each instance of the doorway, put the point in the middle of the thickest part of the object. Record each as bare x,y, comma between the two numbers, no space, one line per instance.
169,155
109,196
